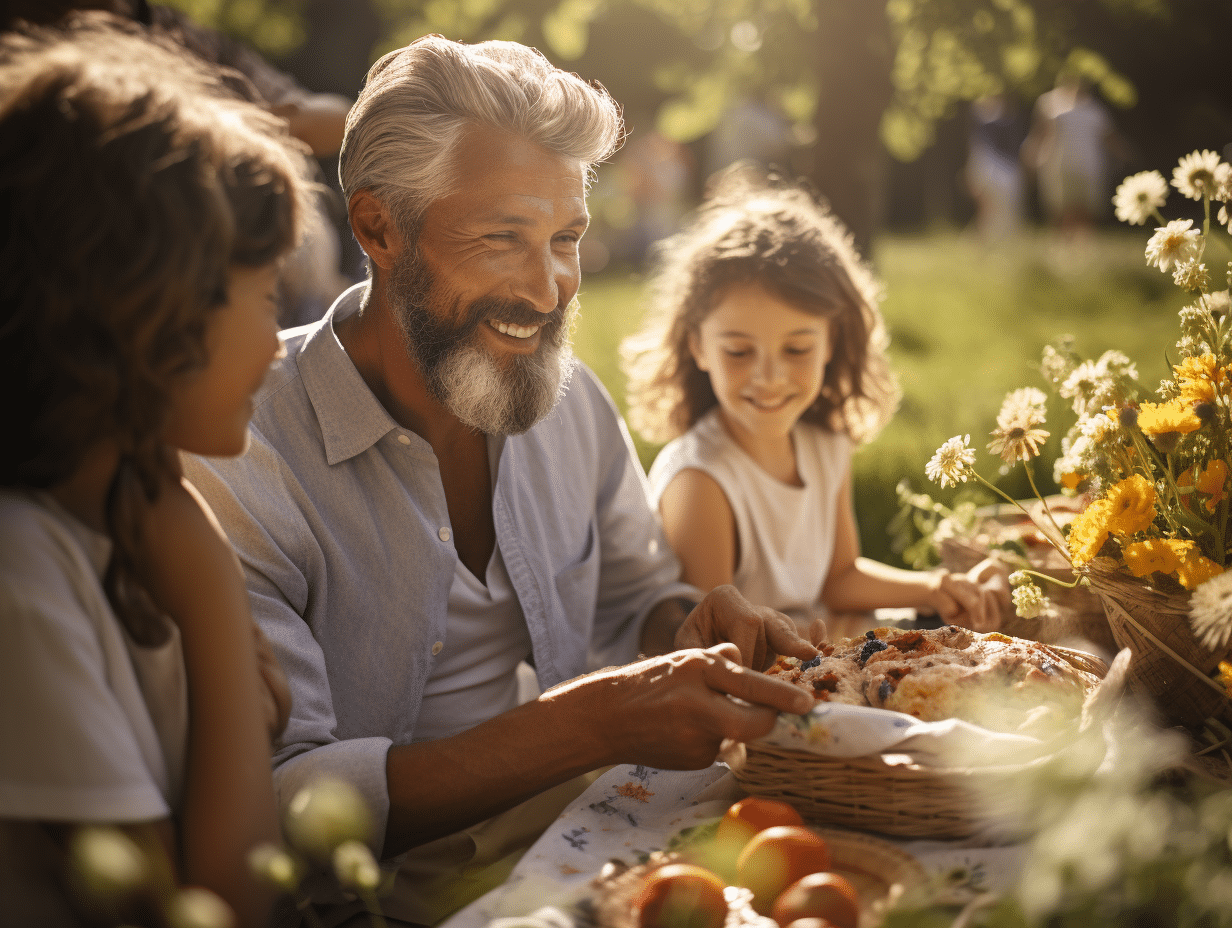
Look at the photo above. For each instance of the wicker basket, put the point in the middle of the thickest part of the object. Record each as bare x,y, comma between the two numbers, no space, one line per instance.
887,793
1167,660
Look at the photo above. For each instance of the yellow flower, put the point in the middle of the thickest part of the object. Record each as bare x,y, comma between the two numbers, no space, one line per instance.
1144,558
1212,481
1071,481
1173,416
1200,379
1225,676
1195,569
1089,531
1133,505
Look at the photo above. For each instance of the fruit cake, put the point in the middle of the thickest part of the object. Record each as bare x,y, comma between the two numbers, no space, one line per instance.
989,679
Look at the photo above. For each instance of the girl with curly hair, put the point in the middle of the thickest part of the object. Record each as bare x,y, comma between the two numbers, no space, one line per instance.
763,361
145,212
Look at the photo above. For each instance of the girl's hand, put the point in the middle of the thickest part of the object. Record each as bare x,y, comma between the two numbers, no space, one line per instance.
974,599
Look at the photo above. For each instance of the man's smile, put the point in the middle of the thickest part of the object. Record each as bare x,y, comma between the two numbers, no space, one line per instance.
517,331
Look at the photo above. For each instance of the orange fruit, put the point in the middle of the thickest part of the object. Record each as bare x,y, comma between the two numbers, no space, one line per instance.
738,825
749,816
819,895
680,896
777,857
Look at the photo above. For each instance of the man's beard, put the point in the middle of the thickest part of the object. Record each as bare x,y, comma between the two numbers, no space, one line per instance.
496,396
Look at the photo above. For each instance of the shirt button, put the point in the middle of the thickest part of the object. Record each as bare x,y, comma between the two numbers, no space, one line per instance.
443,534
404,439
437,648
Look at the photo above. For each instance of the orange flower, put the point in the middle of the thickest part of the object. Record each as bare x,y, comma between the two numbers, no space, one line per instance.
1162,555
1212,481
1195,569
1071,481
1089,531
1225,676
1132,505
1173,416
1200,379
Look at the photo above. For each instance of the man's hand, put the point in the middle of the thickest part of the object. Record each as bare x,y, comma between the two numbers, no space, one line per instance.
674,711
758,632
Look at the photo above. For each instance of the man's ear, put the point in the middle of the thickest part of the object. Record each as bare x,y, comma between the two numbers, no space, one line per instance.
695,349
374,229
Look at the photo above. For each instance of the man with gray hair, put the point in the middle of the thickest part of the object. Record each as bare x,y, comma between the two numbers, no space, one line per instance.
435,491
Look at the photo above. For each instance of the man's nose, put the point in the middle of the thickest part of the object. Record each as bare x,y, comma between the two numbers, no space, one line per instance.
536,282
541,279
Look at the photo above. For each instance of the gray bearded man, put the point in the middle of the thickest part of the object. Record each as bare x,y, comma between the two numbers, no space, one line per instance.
435,492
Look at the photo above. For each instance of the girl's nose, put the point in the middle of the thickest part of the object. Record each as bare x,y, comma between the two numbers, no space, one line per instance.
767,370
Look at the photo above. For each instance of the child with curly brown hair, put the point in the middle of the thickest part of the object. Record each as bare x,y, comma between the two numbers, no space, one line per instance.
145,213
763,361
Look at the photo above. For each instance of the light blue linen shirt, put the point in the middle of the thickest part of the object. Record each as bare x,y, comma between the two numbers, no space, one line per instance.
339,518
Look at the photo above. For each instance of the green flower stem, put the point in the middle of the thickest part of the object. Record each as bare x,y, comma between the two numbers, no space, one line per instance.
1005,496
1026,465
1034,573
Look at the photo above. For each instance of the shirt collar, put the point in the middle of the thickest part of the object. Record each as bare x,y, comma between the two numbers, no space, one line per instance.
352,419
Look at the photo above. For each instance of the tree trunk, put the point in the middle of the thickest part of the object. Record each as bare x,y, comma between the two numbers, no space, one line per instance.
855,55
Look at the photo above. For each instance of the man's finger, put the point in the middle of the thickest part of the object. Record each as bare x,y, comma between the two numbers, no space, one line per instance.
784,638
756,688
741,722
818,633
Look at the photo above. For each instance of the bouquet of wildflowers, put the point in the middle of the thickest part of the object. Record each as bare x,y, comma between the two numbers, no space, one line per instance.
1152,469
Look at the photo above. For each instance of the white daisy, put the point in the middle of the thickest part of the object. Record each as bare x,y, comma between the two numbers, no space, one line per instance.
1140,196
1218,303
1092,386
1210,612
950,463
1223,182
1225,218
1194,176
1055,365
1025,402
1176,241
1017,437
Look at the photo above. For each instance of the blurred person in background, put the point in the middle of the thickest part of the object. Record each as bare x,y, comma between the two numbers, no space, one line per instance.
994,172
1068,149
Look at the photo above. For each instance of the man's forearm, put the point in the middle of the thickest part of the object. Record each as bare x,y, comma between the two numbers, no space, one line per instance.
439,787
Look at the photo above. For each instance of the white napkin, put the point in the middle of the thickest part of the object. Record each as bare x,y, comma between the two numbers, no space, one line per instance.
839,730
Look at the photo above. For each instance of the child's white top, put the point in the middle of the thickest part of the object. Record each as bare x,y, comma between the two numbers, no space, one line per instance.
785,534
93,725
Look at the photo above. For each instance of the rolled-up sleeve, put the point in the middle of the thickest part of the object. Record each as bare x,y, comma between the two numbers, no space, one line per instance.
264,517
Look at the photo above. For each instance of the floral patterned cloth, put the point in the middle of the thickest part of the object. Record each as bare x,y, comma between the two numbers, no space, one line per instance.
631,811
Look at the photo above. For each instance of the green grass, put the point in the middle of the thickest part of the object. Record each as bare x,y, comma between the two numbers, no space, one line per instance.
967,324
